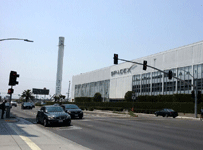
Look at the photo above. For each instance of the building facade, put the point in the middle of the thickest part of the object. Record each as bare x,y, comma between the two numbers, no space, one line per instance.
113,82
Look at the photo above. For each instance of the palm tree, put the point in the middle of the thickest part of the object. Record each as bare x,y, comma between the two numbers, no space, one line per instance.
27,94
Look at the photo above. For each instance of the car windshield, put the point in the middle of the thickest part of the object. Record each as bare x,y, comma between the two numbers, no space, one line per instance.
54,109
71,107
27,104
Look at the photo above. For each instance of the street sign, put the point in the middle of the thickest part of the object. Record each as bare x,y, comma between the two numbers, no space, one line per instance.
40,91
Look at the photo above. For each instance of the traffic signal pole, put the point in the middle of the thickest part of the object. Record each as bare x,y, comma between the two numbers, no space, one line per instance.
193,85
9,109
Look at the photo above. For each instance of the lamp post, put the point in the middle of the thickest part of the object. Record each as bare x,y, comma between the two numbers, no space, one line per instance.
26,40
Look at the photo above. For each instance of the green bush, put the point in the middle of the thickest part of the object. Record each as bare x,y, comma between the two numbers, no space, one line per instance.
38,104
91,108
128,96
97,97
83,99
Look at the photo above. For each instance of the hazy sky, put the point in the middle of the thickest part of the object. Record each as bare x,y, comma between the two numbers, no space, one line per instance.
94,30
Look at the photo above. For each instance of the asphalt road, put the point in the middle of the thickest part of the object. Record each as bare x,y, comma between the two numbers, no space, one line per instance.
106,132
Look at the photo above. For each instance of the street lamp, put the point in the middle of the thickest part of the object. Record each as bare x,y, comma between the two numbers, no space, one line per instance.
26,40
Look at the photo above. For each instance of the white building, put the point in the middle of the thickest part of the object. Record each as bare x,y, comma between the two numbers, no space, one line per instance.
113,82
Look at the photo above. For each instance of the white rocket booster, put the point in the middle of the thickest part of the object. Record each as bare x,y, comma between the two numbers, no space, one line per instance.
59,66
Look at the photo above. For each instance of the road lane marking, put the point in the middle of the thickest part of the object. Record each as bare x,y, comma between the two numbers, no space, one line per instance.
29,142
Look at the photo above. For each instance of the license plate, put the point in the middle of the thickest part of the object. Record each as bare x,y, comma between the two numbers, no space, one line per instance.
60,120
76,115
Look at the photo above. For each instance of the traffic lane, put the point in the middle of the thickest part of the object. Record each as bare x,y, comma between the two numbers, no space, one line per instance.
111,133
93,130
188,124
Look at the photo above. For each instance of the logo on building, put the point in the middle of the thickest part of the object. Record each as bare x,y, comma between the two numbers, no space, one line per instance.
123,71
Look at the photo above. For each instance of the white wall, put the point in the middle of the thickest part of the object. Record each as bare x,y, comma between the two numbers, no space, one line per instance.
93,76
121,83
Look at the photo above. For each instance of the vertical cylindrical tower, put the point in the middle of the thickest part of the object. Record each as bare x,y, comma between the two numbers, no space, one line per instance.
59,66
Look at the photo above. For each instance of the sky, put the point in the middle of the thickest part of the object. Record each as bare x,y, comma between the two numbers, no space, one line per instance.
93,30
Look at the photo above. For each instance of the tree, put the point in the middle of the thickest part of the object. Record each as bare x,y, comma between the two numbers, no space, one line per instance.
27,94
97,97
57,98
128,96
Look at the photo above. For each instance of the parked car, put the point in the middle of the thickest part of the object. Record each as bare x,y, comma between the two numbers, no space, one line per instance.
52,114
33,105
73,110
14,103
26,105
166,113
7,105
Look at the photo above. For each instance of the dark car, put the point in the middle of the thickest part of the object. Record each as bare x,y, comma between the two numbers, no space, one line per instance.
73,110
52,114
26,105
166,113
33,105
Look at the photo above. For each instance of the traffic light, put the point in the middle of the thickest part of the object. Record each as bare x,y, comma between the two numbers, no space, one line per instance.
10,91
115,59
170,75
144,65
13,77
193,94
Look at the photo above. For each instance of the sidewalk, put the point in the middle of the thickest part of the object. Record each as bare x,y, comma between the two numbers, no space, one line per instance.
19,134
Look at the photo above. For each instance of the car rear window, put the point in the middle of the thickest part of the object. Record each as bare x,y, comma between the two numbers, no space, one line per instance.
54,109
71,107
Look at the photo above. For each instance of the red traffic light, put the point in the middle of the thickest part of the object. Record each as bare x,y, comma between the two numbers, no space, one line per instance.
115,59
12,78
10,91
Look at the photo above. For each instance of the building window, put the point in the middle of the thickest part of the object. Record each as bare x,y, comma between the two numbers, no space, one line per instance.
146,84
136,84
156,83
184,73
198,76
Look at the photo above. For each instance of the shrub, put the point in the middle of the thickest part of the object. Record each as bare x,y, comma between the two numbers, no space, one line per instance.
97,97
90,108
128,96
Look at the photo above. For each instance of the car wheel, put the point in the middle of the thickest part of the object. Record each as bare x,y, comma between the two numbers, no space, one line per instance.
163,115
45,123
37,120
68,123
80,117
174,116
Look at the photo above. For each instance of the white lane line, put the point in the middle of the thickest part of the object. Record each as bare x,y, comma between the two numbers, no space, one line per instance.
69,128
29,142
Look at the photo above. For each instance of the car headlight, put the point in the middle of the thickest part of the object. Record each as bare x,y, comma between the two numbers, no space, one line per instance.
68,111
68,117
51,117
